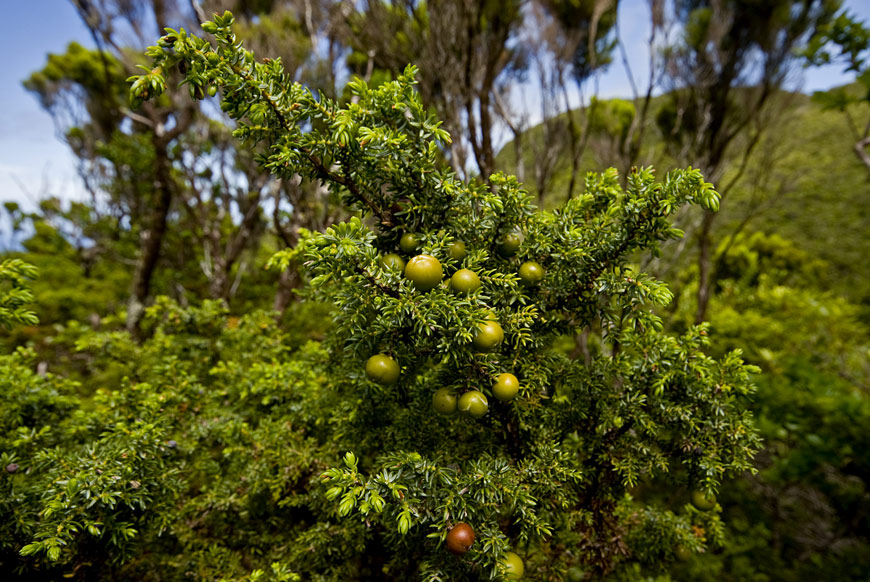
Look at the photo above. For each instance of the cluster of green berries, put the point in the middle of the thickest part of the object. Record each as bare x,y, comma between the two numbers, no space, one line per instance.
425,273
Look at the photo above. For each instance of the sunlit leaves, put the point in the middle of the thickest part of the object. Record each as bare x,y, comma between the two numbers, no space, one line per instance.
15,293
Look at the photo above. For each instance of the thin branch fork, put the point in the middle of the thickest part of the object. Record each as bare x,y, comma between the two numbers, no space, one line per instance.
322,171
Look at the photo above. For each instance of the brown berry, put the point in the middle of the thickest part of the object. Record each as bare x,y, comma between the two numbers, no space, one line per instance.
460,539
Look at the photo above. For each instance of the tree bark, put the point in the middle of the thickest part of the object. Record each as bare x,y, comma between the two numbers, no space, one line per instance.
861,152
705,264
287,284
151,238
236,245
488,160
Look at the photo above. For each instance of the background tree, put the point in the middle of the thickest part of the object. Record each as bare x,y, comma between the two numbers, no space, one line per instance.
565,46
219,182
584,39
155,182
729,64
851,39
163,122
85,93
466,50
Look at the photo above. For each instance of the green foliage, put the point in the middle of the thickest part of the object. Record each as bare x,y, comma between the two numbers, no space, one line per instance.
847,36
86,480
225,448
100,479
612,117
277,572
15,293
591,26
74,284
797,519
97,75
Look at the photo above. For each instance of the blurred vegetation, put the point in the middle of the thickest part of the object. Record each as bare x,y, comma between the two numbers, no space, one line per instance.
804,184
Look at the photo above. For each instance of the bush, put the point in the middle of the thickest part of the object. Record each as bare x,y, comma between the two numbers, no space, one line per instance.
548,473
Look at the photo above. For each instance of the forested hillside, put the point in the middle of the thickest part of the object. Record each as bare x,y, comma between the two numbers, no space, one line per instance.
803,181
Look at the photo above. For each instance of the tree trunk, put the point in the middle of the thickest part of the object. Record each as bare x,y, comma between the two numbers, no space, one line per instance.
705,265
520,155
219,283
861,152
284,296
151,239
488,162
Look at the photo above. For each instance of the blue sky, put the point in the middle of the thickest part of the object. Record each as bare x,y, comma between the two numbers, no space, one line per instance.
35,163
32,157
